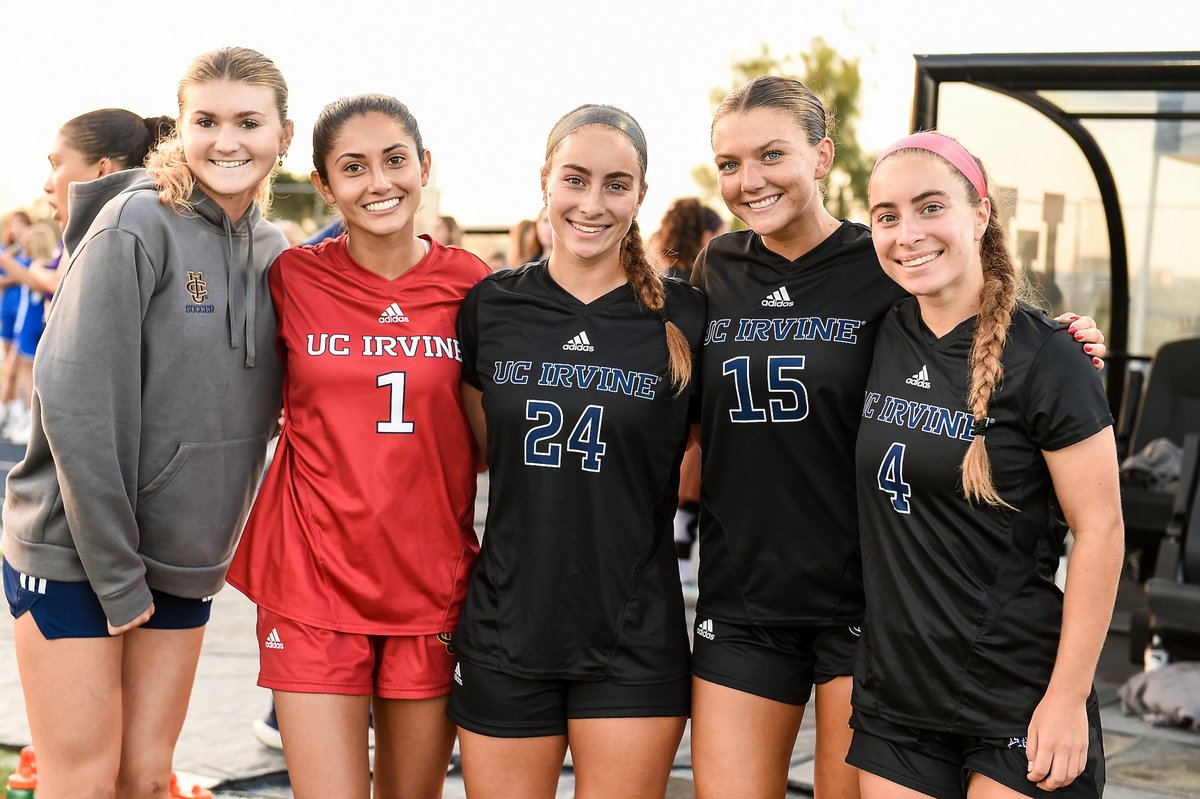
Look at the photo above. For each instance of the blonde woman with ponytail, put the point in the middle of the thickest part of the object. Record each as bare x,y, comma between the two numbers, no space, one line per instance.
156,387
578,380
981,424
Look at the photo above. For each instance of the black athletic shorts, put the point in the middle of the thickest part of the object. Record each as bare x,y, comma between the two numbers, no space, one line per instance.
779,663
940,764
492,703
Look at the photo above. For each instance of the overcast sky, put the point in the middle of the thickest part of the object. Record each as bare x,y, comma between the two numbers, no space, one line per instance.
487,80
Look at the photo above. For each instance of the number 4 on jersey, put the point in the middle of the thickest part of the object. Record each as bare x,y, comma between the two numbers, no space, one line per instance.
891,478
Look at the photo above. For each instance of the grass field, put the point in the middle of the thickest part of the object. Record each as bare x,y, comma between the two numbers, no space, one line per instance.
8,763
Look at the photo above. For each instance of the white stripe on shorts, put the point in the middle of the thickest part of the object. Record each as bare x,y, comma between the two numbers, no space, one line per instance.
33,583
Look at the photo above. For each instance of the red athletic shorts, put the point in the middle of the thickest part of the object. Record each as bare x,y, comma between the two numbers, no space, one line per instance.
296,657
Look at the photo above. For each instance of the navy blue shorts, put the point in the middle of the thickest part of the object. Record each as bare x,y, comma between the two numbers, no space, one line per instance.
10,301
30,322
72,610
500,705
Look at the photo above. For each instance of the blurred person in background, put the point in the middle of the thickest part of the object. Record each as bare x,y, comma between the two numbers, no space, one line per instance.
37,280
448,231
686,228
12,259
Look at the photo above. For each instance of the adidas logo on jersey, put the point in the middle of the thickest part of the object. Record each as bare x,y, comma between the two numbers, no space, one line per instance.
457,674
273,641
392,315
580,343
705,629
920,379
779,298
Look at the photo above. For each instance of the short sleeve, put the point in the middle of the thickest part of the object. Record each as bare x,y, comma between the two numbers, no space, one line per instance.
468,337
698,269
1065,397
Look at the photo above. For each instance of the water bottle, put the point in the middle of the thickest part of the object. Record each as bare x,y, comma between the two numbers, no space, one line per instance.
23,781
1156,655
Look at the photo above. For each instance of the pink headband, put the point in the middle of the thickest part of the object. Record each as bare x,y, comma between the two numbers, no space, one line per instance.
948,149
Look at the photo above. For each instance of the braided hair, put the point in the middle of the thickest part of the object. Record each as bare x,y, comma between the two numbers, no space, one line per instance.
1003,287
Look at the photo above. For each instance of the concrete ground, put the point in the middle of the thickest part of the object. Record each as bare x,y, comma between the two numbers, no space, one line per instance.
218,750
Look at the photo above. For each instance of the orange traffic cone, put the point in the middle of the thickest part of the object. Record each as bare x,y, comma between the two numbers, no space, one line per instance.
196,793
23,781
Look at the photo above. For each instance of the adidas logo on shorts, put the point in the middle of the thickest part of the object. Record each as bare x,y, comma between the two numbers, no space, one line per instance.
457,674
705,629
920,379
580,343
779,298
273,641
35,584
392,315
1017,743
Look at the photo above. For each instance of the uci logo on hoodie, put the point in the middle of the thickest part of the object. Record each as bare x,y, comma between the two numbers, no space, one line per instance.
198,288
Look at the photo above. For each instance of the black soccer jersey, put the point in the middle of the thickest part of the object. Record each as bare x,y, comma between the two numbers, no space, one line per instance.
785,360
963,616
577,578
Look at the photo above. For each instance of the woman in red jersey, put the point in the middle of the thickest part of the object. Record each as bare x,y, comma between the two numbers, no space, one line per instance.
359,545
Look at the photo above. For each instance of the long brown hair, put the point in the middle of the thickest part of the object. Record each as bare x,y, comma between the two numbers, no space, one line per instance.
1002,288
640,272
679,237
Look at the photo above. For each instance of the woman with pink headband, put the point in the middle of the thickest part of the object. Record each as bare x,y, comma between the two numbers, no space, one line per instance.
980,426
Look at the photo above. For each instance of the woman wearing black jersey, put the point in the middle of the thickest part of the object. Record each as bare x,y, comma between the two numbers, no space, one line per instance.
976,672
794,305
577,375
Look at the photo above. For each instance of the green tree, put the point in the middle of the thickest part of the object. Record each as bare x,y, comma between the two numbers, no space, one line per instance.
296,199
836,80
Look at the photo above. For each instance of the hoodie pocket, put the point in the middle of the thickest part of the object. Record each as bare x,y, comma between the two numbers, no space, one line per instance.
190,513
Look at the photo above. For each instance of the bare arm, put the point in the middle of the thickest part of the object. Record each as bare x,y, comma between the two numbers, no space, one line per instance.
15,272
473,405
39,278
1085,480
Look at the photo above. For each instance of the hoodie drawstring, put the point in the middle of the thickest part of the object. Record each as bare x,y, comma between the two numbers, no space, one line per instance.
251,295
251,291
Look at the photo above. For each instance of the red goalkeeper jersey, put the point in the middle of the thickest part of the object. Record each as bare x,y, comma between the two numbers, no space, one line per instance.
364,522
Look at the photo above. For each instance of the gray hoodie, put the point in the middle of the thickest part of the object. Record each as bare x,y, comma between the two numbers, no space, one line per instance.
155,388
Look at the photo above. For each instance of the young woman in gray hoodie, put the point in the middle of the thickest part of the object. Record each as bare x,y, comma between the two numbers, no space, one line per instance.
157,386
